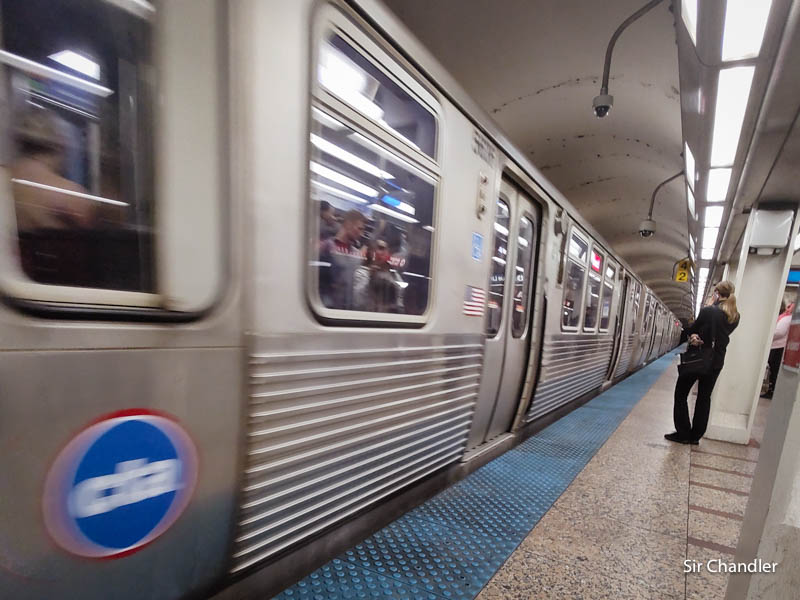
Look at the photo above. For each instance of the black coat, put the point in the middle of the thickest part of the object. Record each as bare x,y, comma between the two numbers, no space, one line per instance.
713,318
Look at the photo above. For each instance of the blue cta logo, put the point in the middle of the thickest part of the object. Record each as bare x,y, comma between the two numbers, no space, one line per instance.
119,484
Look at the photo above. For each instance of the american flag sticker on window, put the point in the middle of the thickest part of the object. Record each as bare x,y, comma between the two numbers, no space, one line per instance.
474,301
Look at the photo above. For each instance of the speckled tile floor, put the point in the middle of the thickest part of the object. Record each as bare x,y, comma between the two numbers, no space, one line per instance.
637,511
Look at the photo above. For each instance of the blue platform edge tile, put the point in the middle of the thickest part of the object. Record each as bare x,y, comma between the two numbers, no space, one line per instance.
453,544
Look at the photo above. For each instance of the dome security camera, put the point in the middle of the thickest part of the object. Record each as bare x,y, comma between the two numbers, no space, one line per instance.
602,105
647,228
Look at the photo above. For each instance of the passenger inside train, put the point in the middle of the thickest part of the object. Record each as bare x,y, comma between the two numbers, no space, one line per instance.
78,154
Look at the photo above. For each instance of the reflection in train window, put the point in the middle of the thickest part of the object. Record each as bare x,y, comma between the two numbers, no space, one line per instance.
78,143
497,282
572,307
605,305
355,80
375,222
592,302
522,276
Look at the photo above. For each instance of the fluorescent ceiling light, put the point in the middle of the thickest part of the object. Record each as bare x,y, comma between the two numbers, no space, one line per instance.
327,173
349,157
710,237
713,216
427,228
500,229
707,253
689,14
689,159
337,192
522,241
690,202
392,213
77,62
66,192
326,119
691,242
343,78
718,181
399,204
732,94
691,254
498,260
745,22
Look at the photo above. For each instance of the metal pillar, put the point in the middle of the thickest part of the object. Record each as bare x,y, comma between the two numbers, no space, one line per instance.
759,281
771,528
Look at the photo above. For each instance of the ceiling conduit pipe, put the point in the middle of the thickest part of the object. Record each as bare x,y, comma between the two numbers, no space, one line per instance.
602,104
648,226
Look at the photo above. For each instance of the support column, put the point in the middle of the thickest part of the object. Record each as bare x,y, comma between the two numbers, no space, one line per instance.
759,281
771,528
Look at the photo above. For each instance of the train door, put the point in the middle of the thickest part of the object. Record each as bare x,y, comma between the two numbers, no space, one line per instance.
509,310
619,327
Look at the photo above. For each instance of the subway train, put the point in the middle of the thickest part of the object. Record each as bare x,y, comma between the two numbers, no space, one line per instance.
268,277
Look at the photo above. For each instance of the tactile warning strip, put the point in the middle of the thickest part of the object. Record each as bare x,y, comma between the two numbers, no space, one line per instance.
452,545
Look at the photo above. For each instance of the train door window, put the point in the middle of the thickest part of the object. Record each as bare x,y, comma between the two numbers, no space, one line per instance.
373,210
497,283
77,145
593,291
636,296
607,297
522,276
572,307
646,320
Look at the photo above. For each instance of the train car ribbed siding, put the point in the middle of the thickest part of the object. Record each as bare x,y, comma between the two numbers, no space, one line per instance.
333,431
452,545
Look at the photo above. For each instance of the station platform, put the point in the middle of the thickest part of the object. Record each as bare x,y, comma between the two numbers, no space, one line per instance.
597,505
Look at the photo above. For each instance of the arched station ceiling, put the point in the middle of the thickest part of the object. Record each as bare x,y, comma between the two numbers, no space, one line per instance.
535,66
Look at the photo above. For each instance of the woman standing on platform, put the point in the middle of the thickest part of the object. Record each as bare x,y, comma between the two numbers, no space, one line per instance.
714,325
778,344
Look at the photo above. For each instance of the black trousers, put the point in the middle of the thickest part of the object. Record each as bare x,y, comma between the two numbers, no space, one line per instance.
774,362
680,412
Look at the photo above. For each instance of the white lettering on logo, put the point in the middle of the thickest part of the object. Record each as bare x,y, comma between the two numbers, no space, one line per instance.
131,482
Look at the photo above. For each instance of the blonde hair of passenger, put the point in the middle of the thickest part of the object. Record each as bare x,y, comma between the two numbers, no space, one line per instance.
727,300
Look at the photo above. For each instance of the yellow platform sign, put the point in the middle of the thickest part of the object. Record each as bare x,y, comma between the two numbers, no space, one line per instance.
681,270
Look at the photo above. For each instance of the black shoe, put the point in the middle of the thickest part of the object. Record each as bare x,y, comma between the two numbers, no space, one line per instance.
674,437
694,442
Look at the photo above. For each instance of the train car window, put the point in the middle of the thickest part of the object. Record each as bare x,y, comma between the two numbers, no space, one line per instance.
351,77
572,307
646,320
522,275
373,210
605,305
497,283
374,222
78,142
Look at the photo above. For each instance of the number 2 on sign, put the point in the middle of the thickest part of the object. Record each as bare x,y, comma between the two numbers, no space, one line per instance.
681,276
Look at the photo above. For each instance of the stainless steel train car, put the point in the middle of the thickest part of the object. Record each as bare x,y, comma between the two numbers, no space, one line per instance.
269,277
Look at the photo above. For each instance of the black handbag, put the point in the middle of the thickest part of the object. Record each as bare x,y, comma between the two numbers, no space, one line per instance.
697,360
